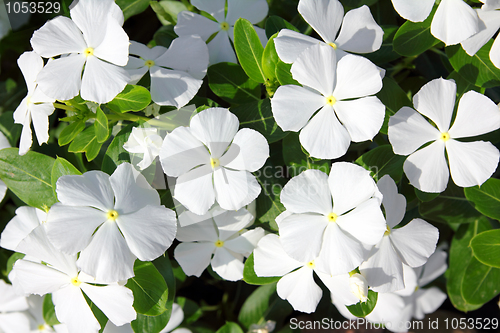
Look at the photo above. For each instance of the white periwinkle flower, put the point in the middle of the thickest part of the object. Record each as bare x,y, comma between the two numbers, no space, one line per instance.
411,245
213,160
36,107
217,234
12,319
359,286
470,163
333,214
176,73
112,220
144,141
220,49
359,33
26,219
93,38
4,143
341,92
453,22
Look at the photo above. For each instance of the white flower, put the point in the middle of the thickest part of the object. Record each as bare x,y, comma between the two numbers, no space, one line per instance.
359,286
57,273
93,39
220,49
453,22
126,212
213,160
12,319
217,234
341,92
176,73
359,33
35,315
297,286
4,143
471,163
144,141
334,214
26,219
36,106
411,245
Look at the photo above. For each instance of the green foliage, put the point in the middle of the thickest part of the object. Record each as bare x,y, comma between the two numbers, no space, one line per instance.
132,7
275,24
250,277
230,327
394,98
167,10
382,161
116,154
298,160
363,309
61,168
414,38
49,312
86,142
101,126
11,131
486,247
249,50
132,98
486,198
230,82
70,132
256,305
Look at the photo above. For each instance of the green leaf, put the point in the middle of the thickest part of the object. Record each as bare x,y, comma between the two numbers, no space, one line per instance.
258,115
284,75
49,312
414,38
86,142
249,49
69,132
250,277
275,24
254,309
11,130
12,260
386,52
230,327
165,35
382,161
424,196
132,98
100,316
480,283
270,59
297,160
101,126
486,198
361,309
132,7
486,247
192,312
116,154
477,69
28,176
394,98
229,82
149,288
62,168
167,10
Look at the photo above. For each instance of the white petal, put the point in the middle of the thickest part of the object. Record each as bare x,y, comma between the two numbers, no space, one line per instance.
15,322
58,36
220,49
248,151
366,222
35,278
324,16
476,115
40,115
427,170
360,33
30,64
62,78
301,235
111,328
308,193
116,13
149,232
324,137
188,54
181,152
102,81
230,223
489,23
90,189
454,22
362,117
176,318
3,190
290,44
189,23
203,230
195,190
315,68
72,309
350,185
436,101
293,106
300,290
4,142
356,77
235,189
408,130
226,265
270,259
91,16
435,266
114,47
114,301
252,10
26,219
9,300
471,163
172,87
194,257
415,242
415,11
339,287
214,8
107,257
490,4
393,202
495,53
145,52
429,300
388,310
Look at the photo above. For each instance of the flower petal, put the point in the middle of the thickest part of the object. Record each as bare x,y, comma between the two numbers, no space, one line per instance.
91,16
248,151
471,163
495,53
300,290
246,242
435,266
339,287
393,202
215,8
189,23
427,170
220,49
114,48
194,257
454,22
270,259
26,219
172,87
226,265
235,189
324,16
39,279
360,33
290,44
231,222
176,318
15,322
30,64
489,23
252,10
203,230
72,309
9,300
415,11
195,190
40,115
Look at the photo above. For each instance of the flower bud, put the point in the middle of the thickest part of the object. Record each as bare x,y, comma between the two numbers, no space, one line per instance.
359,286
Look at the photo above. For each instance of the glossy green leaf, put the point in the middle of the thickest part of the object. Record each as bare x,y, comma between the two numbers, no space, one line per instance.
167,10
256,305
284,75
230,82
12,260
116,154
101,126
362,309
486,247
249,49
480,284
70,132
275,23
62,168
270,59
296,158
424,196
86,142
100,316
11,130
49,312
394,98
165,35
250,277
230,327
382,161
28,176
132,98
132,7
414,38
486,198
192,312
386,52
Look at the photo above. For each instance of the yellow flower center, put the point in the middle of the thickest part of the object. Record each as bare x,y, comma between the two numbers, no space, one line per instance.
332,217
311,264
219,243
330,100
445,136
149,63
28,100
41,327
112,215
333,45
387,231
76,281
214,162
224,26
89,51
